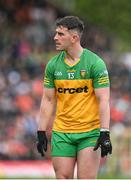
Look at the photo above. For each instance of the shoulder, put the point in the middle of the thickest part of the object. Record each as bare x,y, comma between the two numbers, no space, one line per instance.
55,60
92,57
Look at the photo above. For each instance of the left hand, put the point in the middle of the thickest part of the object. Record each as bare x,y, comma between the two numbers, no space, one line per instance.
104,143
42,142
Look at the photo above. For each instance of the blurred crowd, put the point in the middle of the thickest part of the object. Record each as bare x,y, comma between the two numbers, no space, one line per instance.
26,45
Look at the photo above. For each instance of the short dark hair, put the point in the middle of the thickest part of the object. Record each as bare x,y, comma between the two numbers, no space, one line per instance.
71,23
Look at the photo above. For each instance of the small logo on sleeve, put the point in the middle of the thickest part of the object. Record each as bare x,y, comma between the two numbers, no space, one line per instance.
58,73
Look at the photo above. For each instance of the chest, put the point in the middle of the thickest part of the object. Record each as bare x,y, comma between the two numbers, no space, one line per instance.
79,71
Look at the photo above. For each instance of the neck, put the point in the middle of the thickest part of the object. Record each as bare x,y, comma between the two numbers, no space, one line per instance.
74,53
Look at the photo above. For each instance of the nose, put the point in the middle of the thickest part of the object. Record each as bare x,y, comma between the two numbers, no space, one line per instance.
55,37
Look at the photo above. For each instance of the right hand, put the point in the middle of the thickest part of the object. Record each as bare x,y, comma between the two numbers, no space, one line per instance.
42,142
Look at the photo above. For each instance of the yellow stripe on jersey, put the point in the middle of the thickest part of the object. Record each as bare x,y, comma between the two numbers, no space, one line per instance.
103,80
46,80
77,108
69,64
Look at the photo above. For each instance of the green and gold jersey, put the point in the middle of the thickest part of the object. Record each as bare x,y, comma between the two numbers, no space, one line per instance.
77,106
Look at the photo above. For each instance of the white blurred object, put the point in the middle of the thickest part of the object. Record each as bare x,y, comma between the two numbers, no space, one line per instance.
127,60
23,88
14,77
118,129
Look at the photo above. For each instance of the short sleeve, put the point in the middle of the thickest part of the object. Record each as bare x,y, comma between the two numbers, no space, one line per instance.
100,74
49,76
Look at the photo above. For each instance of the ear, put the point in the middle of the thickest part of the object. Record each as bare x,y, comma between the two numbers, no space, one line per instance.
74,38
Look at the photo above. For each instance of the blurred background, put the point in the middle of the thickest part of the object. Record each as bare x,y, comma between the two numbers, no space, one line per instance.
26,45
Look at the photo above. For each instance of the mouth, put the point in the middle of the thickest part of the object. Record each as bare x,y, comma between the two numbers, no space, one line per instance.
57,43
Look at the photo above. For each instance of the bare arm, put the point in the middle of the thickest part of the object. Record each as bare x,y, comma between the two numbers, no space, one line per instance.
103,95
46,108
104,142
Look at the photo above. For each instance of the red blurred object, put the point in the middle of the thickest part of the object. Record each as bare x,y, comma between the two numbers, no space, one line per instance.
25,103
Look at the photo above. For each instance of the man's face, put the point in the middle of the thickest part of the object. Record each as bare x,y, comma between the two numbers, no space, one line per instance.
63,38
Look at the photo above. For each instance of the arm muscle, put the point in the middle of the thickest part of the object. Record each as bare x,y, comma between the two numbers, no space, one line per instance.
103,95
46,108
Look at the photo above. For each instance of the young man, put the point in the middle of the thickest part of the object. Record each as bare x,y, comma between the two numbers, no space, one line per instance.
76,81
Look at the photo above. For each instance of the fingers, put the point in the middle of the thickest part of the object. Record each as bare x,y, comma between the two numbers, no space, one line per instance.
45,146
42,153
96,146
40,149
110,152
105,151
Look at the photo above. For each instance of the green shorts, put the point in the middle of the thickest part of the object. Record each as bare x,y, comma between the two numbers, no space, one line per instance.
68,144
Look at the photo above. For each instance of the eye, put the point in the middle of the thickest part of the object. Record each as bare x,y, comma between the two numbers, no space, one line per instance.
60,34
